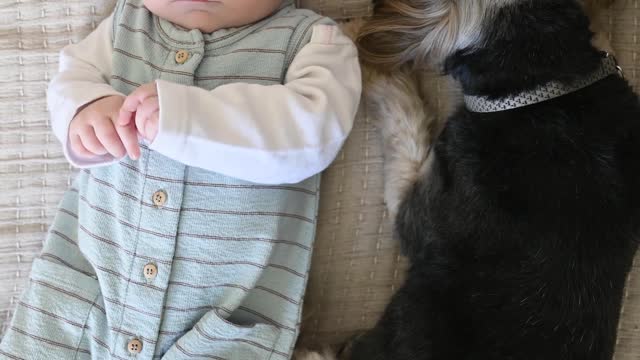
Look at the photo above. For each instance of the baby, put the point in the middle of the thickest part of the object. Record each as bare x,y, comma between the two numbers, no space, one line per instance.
201,127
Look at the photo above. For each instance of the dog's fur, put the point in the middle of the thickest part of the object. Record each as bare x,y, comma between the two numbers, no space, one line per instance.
520,226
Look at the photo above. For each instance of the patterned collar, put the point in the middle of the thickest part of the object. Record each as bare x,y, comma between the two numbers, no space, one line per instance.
551,90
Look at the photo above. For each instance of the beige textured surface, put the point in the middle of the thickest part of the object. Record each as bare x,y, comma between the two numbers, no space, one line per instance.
33,171
356,264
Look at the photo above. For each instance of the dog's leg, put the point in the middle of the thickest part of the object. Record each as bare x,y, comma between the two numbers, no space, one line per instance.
422,322
393,102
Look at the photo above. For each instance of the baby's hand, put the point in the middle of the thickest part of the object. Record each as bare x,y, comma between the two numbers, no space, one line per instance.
143,108
93,131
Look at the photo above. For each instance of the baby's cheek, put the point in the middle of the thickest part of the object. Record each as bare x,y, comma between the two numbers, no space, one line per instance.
249,11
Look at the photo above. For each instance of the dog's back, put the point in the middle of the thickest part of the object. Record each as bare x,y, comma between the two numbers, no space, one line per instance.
535,213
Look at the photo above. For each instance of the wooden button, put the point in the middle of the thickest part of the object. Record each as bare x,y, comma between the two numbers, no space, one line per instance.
150,271
182,56
134,346
159,198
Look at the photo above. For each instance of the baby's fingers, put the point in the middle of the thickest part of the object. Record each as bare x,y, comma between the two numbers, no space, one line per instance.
127,110
91,142
125,117
134,100
109,138
144,114
129,137
78,148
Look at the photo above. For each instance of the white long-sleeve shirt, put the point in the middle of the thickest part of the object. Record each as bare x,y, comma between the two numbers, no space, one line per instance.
264,134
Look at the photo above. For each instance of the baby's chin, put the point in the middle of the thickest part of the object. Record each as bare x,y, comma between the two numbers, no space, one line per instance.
201,20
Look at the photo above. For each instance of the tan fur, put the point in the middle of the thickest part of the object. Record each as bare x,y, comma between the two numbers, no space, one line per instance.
352,28
422,32
393,102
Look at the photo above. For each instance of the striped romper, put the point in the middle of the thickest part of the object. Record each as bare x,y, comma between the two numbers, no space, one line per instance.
157,259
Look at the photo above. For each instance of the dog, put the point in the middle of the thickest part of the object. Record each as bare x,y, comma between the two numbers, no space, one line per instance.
520,216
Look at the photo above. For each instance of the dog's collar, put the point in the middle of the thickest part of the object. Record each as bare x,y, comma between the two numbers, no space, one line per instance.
551,90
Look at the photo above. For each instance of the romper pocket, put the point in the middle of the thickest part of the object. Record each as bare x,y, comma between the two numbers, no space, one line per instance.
51,316
215,337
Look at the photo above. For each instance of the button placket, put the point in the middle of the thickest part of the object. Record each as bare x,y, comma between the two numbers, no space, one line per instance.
144,302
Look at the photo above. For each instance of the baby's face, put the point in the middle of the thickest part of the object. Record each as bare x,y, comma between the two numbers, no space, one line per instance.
211,15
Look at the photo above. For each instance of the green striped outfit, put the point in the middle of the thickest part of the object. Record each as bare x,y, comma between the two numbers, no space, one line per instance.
226,261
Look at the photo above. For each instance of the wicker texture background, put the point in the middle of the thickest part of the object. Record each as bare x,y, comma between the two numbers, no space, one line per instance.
356,264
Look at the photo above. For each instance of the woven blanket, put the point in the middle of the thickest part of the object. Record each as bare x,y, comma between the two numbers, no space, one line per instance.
356,263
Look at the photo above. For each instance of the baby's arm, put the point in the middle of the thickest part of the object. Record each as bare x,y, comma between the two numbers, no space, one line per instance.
267,134
85,69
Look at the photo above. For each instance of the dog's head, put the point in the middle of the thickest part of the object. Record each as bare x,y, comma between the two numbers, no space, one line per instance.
429,31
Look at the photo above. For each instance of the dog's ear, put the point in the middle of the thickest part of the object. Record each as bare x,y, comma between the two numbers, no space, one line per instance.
420,31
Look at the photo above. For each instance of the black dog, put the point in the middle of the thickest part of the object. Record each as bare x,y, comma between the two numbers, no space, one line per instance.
521,225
